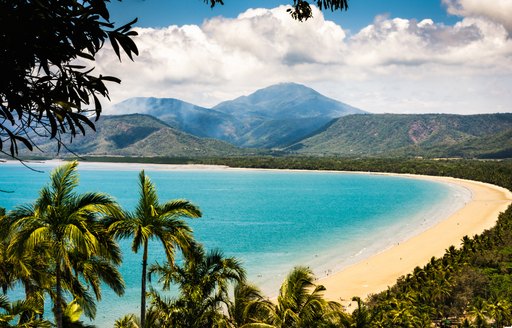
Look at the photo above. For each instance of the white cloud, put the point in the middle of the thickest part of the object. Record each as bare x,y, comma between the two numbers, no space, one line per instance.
392,65
499,11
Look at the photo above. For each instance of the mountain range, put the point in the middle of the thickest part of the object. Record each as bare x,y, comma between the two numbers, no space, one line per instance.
273,117
291,119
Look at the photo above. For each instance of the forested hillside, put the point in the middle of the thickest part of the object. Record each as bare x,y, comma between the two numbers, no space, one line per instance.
427,135
139,135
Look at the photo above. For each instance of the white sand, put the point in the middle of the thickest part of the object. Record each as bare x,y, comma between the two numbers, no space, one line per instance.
378,272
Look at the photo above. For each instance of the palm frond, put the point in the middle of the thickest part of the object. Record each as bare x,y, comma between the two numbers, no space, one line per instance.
28,240
21,211
94,202
128,321
181,207
141,237
148,197
81,239
63,180
109,274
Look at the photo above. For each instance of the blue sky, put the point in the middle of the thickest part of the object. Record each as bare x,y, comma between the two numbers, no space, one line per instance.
162,13
394,56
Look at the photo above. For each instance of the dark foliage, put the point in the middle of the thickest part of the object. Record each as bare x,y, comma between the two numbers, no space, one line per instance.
47,86
301,9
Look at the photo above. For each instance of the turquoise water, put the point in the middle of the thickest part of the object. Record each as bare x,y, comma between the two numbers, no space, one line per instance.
271,220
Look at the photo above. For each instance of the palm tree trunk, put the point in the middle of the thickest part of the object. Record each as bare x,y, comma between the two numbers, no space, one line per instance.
58,307
143,291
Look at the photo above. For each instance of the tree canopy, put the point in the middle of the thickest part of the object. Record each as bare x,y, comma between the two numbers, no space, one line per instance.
45,91
48,87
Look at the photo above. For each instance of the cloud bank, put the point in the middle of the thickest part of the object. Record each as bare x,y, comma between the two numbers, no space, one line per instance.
499,11
393,65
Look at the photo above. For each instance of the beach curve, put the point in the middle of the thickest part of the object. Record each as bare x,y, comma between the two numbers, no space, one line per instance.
380,271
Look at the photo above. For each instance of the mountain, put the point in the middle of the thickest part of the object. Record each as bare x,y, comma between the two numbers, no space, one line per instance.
187,117
276,116
430,135
286,101
281,114
142,135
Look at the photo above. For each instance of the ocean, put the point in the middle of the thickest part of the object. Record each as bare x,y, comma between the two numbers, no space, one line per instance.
271,220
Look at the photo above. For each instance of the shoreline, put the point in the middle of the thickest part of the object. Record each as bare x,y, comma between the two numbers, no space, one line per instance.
380,271
377,271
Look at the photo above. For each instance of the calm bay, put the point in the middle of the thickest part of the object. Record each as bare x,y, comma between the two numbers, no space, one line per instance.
271,220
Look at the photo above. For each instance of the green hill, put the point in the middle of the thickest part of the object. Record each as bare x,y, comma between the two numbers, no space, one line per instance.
429,135
141,135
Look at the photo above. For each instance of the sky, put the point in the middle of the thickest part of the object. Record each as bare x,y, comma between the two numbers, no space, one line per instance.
394,56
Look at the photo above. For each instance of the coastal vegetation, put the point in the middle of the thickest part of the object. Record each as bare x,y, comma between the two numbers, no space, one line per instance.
470,286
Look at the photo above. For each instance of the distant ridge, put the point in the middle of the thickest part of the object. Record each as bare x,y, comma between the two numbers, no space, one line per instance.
429,135
190,118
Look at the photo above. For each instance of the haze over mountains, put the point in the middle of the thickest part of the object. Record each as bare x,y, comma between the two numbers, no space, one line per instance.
291,119
276,116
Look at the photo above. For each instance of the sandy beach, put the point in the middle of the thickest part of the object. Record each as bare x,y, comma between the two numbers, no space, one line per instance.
379,271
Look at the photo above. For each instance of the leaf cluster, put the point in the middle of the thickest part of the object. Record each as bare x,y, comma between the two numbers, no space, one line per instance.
47,86
301,9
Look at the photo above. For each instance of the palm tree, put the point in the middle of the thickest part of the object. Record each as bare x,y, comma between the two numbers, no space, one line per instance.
128,321
72,314
479,313
401,314
28,269
500,312
152,220
361,315
248,306
7,274
20,314
301,304
153,319
204,282
68,227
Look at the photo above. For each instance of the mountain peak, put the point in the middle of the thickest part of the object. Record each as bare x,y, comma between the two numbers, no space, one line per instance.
287,100
288,86
288,90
